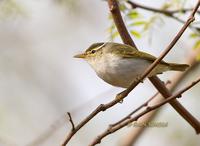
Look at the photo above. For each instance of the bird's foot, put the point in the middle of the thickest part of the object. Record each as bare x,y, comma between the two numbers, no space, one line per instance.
139,79
120,96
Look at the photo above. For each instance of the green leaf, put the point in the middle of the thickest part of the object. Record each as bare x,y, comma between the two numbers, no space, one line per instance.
138,23
111,28
133,14
151,22
166,6
197,45
110,16
122,7
146,26
194,35
114,35
135,33
198,57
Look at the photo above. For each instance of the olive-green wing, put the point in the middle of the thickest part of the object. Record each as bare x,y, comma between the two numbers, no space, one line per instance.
120,48
127,53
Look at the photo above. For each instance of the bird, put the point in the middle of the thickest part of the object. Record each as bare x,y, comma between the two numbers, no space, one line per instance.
120,64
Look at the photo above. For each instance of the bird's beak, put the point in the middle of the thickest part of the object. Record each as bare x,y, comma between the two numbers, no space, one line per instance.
80,55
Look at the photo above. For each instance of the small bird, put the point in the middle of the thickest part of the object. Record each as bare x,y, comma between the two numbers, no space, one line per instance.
120,64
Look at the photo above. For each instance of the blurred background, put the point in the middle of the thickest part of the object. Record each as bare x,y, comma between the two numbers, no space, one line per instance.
40,81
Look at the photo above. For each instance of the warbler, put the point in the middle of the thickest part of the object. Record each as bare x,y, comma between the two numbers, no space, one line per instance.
120,64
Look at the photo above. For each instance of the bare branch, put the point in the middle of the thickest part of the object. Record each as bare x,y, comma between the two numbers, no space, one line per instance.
165,12
114,9
138,108
133,135
169,13
155,80
134,111
71,121
115,128
164,53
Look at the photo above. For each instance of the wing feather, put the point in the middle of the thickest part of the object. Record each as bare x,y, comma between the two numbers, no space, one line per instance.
130,52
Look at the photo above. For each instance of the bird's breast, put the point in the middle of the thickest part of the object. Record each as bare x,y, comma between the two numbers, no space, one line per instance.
119,71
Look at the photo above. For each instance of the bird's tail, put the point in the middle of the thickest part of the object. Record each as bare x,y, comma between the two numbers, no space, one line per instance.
178,67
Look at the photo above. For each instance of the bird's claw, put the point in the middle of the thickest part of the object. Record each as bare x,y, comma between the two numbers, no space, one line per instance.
120,96
139,79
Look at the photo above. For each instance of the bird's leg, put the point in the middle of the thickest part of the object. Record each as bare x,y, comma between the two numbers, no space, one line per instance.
120,96
138,79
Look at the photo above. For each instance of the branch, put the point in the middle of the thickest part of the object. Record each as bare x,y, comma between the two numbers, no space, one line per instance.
114,8
138,108
155,80
61,121
71,121
162,11
134,111
164,53
132,136
169,13
111,130
100,108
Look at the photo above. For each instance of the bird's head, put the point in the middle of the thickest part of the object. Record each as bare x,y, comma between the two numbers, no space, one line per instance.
94,52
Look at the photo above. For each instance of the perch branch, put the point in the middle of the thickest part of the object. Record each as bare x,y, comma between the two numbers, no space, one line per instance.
132,136
155,80
148,109
139,108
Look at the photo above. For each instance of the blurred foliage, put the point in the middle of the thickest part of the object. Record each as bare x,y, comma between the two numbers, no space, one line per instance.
138,25
174,4
70,4
10,9
196,38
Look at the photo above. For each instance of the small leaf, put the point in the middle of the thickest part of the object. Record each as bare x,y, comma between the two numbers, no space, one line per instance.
194,35
198,57
197,45
111,28
133,14
138,23
150,22
136,34
166,6
146,26
110,16
122,7
114,35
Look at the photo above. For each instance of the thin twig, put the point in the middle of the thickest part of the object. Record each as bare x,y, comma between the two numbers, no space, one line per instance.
133,135
71,121
164,53
155,80
138,108
100,108
111,130
169,13
163,11
134,111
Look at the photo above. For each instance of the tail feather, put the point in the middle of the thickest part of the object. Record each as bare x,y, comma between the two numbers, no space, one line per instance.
178,67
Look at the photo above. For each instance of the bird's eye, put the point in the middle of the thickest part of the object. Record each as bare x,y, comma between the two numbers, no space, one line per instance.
93,51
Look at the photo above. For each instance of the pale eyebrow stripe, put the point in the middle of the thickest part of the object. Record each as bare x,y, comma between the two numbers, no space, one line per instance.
100,46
